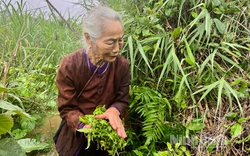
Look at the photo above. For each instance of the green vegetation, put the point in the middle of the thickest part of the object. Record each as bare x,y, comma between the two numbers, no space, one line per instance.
102,133
190,74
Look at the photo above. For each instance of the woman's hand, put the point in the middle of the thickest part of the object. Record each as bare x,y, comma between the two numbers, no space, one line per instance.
113,115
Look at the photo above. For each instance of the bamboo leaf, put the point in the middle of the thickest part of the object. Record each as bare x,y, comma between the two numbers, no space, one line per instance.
208,24
207,89
151,39
131,54
221,84
165,67
235,46
144,56
228,60
190,54
230,90
204,64
156,48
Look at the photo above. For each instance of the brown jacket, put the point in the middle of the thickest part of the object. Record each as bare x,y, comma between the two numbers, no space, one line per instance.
110,89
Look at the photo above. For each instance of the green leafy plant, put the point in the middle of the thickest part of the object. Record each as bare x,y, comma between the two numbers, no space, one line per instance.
236,132
102,133
6,115
150,118
10,147
177,150
15,143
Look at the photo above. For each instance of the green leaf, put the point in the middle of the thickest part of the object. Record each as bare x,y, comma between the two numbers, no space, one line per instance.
183,148
19,133
246,139
28,123
131,55
228,142
220,88
2,88
6,123
176,32
151,39
169,146
29,145
229,91
236,130
208,24
9,147
101,132
166,66
191,59
177,145
197,18
194,14
143,54
217,2
10,107
241,120
85,130
195,126
211,147
219,25
231,116
208,89
99,110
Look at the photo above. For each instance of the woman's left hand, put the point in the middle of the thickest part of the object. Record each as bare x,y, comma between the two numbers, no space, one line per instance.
113,115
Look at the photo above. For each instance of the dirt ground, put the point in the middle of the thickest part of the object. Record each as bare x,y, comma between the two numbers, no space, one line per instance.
47,130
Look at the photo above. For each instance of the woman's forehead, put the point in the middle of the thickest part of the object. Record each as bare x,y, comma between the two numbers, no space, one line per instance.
113,30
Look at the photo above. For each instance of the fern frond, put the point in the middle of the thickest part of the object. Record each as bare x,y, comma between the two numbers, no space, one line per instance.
152,108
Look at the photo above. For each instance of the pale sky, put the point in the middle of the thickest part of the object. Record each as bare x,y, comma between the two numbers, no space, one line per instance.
63,6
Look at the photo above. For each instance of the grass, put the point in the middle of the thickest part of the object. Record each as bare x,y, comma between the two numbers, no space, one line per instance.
32,45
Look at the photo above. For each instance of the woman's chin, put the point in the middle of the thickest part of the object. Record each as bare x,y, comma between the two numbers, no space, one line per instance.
110,59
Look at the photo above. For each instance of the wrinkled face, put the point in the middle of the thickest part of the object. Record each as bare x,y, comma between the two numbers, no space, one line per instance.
108,45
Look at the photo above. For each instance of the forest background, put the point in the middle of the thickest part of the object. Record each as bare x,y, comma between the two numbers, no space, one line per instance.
190,75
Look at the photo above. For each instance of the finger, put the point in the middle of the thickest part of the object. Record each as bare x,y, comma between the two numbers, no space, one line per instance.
121,132
116,123
101,116
113,123
87,126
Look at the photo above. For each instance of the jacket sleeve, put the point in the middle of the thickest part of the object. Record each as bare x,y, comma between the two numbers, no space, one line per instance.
67,103
122,97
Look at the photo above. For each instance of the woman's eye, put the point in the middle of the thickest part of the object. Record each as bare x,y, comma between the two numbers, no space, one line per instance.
110,43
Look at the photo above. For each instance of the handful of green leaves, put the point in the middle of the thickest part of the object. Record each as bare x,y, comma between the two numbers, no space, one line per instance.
102,133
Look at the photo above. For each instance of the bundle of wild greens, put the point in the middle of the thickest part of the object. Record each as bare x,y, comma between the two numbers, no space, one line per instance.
102,133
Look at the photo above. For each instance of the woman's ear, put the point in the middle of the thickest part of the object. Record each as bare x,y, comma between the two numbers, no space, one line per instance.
87,39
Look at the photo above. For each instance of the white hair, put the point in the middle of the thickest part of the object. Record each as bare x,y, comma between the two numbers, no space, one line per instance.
96,20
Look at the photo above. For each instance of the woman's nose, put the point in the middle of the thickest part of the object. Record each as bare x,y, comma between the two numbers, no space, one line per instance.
116,47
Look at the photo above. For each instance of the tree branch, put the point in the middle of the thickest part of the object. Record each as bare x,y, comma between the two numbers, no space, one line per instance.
72,29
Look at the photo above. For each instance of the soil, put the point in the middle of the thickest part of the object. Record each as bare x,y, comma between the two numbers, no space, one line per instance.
47,131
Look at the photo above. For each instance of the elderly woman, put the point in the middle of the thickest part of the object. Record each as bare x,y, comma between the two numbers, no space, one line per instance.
92,76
